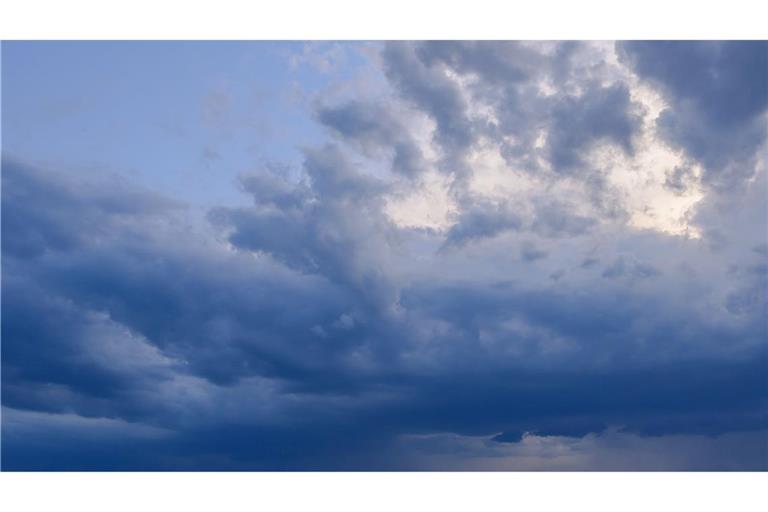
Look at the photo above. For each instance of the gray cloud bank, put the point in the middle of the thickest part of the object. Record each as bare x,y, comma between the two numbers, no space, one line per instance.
311,330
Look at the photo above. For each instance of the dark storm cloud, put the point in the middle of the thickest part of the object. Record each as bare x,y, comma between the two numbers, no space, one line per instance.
498,62
508,74
448,81
187,312
482,221
718,96
551,219
621,268
601,113
557,218
338,231
375,127
428,87
215,323
70,213
309,331
272,189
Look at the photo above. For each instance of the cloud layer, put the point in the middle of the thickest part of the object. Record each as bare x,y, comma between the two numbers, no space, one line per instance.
503,256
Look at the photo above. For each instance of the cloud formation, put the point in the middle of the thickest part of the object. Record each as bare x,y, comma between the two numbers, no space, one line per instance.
539,325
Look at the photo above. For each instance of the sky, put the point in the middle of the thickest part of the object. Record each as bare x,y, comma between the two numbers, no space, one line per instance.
452,255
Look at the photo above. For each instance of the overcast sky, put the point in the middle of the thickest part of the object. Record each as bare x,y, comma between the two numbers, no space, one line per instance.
376,256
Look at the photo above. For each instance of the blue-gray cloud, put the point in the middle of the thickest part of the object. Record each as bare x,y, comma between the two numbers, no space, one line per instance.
308,330
718,98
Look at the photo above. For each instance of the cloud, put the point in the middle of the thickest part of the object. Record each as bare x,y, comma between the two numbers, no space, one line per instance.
310,330
609,450
33,229
601,113
482,221
375,127
718,97
430,89
337,230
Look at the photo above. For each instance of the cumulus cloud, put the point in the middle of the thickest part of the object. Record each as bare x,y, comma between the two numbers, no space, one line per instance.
376,127
718,94
315,329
